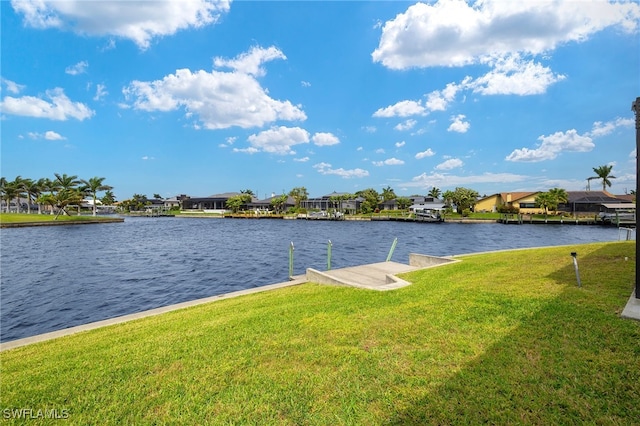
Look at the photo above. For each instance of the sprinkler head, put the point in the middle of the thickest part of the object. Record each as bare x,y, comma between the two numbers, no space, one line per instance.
574,254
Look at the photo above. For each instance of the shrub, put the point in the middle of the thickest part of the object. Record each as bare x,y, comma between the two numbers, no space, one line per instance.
508,209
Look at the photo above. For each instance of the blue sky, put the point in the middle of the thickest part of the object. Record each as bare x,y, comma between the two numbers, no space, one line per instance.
203,97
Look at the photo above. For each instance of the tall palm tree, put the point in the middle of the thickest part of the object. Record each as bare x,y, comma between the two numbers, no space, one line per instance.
92,186
63,182
388,194
18,191
66,197
434,192
3,186
32,191
10,190
559,195
546,201
604,173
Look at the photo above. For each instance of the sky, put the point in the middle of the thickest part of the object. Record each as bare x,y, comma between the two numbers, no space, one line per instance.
203,97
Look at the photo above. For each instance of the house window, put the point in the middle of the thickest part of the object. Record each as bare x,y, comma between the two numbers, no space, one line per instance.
527,205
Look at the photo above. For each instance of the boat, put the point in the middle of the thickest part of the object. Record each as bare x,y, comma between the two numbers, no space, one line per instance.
428,215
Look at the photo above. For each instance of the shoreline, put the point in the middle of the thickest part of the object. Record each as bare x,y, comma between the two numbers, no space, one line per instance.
56,223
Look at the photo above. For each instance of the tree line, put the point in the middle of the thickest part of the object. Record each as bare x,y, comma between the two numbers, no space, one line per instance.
58,193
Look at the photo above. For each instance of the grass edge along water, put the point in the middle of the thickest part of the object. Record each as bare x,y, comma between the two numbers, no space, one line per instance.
505,337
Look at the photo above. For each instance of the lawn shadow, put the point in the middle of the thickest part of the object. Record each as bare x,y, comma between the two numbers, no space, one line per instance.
572,361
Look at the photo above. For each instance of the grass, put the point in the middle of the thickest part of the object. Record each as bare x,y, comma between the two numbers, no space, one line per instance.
500,338
34,217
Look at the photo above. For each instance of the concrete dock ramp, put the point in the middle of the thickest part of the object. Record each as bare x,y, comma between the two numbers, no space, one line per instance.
376,276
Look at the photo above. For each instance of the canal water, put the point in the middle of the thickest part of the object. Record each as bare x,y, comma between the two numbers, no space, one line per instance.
62,276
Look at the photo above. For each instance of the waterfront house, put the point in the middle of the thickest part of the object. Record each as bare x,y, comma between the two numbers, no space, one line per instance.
266,204
333,201
524,201
212,204
589,202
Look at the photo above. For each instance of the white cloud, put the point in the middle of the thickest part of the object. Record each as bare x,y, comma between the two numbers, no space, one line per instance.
279,140
50,135
424,154
250,150
450,164
79,68
147,157
401,109
101,92
447,180
406,125
603,129
301,160
325,169
455,33
369,129
379,151
400,144
139,21
305,84
325,139
551,146
59,108
389,162
511,75
251,62
220,99
12,87
439,100
458,124
633,154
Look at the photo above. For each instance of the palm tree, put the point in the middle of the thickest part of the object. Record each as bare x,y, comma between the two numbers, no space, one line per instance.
434,192
66,197
92,186
32,191
3,192
604,173
388,194
547,201
17,189
64,182
10,190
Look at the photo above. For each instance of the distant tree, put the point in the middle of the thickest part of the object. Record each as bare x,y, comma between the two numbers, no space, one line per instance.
434,192
403,203
560,195
546,201
463,198
371,200
92,186
65,198
447,197
32,191
157,196
388,194
604,173
138,201
108,198
11,190
278,202
63,181
299,194
247,191
237,202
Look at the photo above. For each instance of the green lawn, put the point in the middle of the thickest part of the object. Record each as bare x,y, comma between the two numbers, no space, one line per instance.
500,338
34,217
